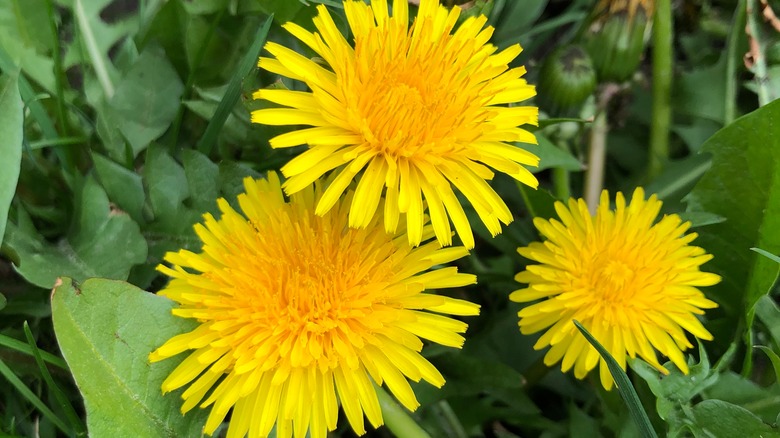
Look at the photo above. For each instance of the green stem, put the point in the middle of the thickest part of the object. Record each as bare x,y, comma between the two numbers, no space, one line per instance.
662,87
562,178
597,157
397,418
732,58
454,428
757,49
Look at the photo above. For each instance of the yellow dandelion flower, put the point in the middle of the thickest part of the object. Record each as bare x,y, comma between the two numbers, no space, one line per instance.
631,282
298,313
418,110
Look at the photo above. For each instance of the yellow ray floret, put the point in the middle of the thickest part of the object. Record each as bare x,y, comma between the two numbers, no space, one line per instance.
631,281
298,312
412,112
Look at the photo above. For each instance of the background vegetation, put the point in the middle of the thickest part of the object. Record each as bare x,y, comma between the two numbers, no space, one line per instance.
122,121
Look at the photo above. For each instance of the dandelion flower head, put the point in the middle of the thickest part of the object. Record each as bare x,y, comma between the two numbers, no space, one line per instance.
298,312
409,111
631,281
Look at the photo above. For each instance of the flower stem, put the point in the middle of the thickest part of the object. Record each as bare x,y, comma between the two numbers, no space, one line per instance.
454,428
662,87
597,156
397,418
757,49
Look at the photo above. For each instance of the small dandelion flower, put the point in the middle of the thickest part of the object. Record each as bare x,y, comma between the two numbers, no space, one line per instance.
418,110
631,282
298,313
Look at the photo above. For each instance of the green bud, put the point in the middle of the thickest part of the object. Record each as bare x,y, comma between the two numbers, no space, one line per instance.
615,38
566,79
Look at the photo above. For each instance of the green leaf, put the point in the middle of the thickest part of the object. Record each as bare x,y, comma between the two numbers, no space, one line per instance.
540,202
25,39
773,357
123,186
283,10
741,391
743,186
102,243
96,38
233,92
769,313
106,330
202,176
718,419
551,156
677,387
11,136
627,391
147,99
514,17
166,183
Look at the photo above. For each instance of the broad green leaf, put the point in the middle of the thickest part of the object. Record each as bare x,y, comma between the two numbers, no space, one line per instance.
102,243
25,38
719,419
106,330
147,99
166,183
122,186
690,97
11,136
551,156
202,176
743,186
763,402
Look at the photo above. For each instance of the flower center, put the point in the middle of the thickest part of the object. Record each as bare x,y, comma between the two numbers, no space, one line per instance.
409,101
615,275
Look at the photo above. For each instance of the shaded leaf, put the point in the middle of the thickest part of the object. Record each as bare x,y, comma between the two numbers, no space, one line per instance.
11,136
106,330
718,418
102,243
123,186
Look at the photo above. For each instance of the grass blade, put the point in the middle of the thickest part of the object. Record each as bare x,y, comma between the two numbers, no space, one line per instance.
14,344
624,386
73,417
233,91
766,254
17,383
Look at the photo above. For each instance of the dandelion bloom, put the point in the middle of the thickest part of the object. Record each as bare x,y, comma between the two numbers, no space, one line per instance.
418,110
298,311
631,282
